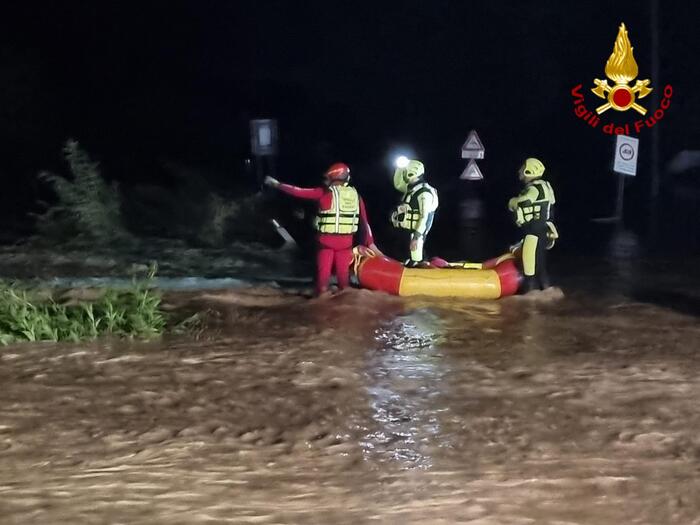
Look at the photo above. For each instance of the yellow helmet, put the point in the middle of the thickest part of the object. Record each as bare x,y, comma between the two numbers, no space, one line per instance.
531,169
403,177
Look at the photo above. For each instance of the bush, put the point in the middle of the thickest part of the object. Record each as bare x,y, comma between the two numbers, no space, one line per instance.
221,211
191,209
242,219
27,316
187,208
87,208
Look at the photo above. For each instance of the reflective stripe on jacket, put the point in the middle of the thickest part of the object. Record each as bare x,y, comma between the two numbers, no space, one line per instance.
535,203
343,217
409,215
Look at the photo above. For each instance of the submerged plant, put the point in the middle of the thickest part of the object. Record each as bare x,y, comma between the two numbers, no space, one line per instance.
132,312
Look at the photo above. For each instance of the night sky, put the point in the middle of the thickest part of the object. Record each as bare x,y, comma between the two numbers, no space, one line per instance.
141,84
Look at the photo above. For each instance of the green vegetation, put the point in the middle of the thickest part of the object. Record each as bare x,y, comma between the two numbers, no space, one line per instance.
28,315
240,218
88,208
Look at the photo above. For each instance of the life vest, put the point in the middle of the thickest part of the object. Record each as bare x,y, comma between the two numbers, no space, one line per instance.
538,210
343,217
408,215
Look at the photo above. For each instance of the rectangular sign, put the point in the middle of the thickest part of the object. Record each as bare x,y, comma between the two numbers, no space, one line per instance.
263,137
626,153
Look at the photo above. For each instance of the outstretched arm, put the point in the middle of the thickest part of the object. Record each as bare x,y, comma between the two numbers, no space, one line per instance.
312,194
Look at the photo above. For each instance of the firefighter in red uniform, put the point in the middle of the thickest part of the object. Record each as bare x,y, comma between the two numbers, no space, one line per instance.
341,213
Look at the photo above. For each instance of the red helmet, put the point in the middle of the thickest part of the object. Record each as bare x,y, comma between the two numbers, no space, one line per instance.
338,172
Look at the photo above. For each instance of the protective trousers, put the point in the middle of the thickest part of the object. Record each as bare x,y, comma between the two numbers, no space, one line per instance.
417,254
534,255
334,253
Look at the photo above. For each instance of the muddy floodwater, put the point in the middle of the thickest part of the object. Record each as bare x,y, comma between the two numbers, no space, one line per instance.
366,408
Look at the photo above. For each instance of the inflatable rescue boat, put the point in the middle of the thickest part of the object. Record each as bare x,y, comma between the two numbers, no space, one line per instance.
491,279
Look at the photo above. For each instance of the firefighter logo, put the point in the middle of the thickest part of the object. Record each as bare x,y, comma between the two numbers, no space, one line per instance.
621,68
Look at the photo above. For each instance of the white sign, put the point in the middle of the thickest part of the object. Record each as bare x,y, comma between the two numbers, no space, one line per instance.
473,147
263,137
471,172
626,153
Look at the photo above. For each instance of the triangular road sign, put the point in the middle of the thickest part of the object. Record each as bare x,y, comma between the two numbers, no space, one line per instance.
471,172
473,147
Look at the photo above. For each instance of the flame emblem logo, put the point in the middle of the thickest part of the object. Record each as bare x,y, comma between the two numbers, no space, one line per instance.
621,68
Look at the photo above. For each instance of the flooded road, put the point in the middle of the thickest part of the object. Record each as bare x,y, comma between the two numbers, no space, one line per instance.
368,409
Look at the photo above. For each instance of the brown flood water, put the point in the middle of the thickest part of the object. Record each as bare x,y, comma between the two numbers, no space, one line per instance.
363,409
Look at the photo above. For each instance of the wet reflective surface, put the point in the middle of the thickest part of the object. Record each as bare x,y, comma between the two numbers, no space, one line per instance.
370,409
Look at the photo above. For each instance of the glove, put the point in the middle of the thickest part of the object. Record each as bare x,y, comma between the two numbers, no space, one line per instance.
375,250
415,237
515,247
552,235
519,217
395,219
271,181
398,215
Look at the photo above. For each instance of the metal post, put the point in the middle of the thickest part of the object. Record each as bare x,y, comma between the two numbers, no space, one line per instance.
259,170
619,219
273,166
655,140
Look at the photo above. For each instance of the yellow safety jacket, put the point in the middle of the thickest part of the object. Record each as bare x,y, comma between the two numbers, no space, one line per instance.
535,203
343,216
409,214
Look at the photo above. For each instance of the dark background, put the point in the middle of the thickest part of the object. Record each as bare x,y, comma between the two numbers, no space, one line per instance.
143,84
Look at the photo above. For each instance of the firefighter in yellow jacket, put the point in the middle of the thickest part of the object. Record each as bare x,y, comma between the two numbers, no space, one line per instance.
418,205
533,210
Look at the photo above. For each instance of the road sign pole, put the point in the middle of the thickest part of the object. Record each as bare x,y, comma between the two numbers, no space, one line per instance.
624,165
259,170
620,199
471,206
